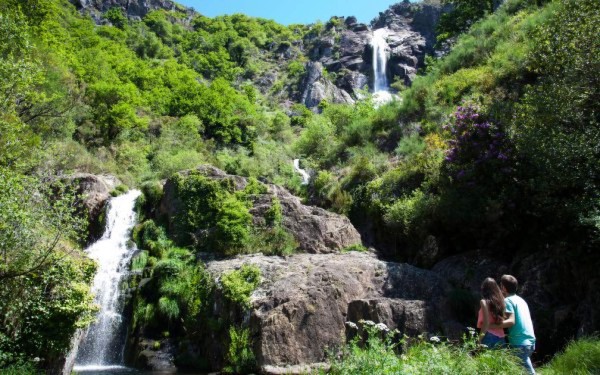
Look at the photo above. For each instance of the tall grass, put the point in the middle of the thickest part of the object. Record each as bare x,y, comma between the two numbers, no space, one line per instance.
579,358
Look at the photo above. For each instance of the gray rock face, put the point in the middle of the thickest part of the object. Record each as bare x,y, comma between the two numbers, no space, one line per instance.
317,88
134,9
303,302
315,229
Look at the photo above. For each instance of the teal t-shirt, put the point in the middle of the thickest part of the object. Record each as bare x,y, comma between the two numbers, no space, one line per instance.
522,332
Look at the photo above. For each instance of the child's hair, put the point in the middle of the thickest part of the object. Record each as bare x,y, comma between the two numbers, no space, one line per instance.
509,283
493,297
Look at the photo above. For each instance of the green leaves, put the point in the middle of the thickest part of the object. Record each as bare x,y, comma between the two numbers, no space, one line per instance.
238,285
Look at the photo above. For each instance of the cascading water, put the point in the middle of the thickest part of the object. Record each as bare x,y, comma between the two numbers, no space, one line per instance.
102,348
379,45
303,173
380,82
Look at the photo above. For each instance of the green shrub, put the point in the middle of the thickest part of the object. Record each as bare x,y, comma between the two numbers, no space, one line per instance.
240,357
232,226
140,261
238,285
120,189
168,308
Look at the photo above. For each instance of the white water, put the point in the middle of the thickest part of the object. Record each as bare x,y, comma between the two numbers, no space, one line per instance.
103,345
381,95
380,46
303,173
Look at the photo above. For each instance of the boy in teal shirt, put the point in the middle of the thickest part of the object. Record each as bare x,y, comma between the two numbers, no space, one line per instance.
518,321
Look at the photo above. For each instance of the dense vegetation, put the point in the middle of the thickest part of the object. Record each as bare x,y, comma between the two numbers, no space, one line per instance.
495,147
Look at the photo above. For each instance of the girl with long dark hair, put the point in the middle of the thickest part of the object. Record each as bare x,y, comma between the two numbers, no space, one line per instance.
491,311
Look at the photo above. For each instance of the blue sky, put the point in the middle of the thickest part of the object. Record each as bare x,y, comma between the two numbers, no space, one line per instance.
293,11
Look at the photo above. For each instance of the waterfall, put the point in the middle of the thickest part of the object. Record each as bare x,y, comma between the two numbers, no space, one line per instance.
102,348
381,95
303,173
380,82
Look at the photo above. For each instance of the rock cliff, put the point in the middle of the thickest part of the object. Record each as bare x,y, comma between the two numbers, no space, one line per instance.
345,50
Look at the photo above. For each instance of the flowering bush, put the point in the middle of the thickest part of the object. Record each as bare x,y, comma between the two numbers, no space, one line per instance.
479,151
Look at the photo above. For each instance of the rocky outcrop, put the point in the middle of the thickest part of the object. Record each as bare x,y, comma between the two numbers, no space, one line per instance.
94,192
410,36
134,9
303,302
317,88
315,229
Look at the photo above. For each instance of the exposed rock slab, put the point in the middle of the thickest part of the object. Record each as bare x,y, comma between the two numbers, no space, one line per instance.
303,302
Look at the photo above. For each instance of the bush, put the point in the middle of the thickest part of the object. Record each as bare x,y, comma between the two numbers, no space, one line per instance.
238,285
240,357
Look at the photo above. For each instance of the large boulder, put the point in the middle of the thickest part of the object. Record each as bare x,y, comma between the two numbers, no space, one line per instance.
315,229
300,309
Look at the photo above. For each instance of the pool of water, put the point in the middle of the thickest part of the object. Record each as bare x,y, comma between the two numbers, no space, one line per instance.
122,370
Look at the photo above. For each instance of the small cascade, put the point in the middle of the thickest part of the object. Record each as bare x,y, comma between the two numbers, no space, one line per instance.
303,173
381,94
102,348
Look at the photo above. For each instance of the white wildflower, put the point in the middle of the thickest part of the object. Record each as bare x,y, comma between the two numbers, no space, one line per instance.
352,325
434,339
382,327
367,322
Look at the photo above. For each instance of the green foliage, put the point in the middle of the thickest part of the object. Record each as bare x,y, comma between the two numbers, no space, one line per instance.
356,247
116,17
581,356
239,284
378,355
464,13
240,357
232,222
556,124
139,261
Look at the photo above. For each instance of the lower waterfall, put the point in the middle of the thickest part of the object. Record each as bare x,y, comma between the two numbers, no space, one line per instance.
103,346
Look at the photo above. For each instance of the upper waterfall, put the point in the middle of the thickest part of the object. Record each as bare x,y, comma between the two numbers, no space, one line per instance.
380,46
380,57
103,346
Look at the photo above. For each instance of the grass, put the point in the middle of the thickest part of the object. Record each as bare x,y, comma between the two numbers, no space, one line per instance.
580,357
380,354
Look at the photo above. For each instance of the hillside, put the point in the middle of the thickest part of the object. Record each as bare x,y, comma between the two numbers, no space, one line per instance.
487,162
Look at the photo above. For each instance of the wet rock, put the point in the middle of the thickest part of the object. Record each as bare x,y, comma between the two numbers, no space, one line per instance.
156,356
